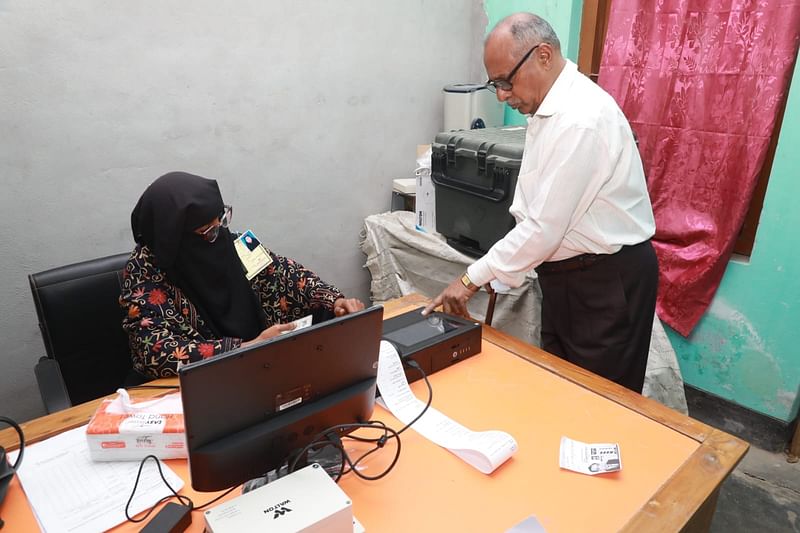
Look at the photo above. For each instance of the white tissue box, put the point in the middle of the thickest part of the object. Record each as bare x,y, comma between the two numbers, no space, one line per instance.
131,436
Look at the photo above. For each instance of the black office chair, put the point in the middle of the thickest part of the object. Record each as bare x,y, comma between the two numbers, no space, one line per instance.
81,324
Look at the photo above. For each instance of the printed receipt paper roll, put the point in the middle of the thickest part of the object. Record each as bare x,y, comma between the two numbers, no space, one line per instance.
485,450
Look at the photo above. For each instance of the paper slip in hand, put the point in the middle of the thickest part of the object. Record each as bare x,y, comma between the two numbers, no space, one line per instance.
300,323
589,458
253,255
485,450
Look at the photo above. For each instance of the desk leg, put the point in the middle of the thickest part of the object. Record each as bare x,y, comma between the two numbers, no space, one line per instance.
793,454
701,521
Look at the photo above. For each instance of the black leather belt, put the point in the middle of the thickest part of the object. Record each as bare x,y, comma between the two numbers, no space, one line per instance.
579,262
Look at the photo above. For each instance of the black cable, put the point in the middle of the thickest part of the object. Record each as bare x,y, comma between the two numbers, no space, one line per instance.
414,364
328,437
21,435
368,453
380,442
388,433
18,462
376,423
145,386
318,439
215,500
331,439
181,498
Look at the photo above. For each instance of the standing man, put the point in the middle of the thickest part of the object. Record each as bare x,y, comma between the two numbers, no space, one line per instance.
584,218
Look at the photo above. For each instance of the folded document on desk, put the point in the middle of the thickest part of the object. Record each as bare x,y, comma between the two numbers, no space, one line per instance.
592,459
69,492
485,450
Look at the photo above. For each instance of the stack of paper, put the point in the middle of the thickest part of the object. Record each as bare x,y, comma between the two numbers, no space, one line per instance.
70,492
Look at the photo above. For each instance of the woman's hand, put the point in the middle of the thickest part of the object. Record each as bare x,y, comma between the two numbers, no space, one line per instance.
344,306
272,331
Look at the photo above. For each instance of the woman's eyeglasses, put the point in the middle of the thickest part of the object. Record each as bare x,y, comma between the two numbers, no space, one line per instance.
212,232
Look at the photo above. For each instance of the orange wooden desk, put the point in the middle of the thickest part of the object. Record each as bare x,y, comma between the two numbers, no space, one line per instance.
672,465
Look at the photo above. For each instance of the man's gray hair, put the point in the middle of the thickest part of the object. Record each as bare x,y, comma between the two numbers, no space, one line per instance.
528,29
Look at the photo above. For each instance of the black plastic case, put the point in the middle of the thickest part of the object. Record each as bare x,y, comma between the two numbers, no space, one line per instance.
475,173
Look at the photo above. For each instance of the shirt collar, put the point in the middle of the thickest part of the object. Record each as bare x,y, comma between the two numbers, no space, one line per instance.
556,97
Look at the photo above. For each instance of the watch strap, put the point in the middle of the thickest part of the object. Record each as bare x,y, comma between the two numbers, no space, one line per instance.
468,283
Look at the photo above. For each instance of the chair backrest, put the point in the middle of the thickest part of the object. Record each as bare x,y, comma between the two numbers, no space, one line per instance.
81,324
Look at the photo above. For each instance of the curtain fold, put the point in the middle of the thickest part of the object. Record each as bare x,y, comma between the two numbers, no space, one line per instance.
701,83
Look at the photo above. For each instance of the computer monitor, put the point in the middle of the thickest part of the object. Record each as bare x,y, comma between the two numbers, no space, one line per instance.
247,410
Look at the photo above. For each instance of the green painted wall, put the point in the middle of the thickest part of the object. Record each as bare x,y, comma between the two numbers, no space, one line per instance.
564,16
745,348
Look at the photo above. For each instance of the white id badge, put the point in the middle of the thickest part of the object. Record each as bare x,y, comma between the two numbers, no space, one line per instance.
252,254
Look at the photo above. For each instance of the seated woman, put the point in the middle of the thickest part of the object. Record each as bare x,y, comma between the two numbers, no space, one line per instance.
184,288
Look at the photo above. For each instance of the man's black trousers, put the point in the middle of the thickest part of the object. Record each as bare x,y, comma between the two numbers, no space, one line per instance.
597,311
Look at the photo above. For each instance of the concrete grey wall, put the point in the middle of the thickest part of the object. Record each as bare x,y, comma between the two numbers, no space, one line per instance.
304,112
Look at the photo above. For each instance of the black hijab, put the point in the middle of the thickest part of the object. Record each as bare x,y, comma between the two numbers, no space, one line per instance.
210,274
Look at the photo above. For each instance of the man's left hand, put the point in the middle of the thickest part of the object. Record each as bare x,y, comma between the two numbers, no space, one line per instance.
453,300
344,306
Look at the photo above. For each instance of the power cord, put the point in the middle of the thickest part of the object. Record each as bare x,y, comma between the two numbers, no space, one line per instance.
21,436
7,471
415,365
382,441
328,437
183,499
216,499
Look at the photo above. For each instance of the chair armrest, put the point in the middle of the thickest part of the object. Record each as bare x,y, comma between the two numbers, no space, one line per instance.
51,385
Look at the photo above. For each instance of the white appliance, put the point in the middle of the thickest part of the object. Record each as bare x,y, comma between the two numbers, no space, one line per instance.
306,500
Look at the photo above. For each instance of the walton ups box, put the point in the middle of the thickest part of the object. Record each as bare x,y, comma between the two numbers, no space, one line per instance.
130,431
475,174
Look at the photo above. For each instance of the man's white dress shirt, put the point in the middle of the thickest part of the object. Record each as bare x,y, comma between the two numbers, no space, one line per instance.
581,186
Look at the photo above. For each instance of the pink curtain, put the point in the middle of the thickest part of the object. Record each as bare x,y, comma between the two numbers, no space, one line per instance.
701,83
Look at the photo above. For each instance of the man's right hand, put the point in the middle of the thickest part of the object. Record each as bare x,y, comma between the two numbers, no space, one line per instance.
453,300
272,331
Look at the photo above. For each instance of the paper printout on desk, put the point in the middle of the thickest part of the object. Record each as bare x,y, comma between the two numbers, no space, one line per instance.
485,450
68,492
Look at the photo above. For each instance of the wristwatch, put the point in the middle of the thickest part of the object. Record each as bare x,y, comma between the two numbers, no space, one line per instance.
468,283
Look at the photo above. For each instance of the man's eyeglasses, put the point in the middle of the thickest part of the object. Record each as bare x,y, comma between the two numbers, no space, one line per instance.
505,83
212,232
